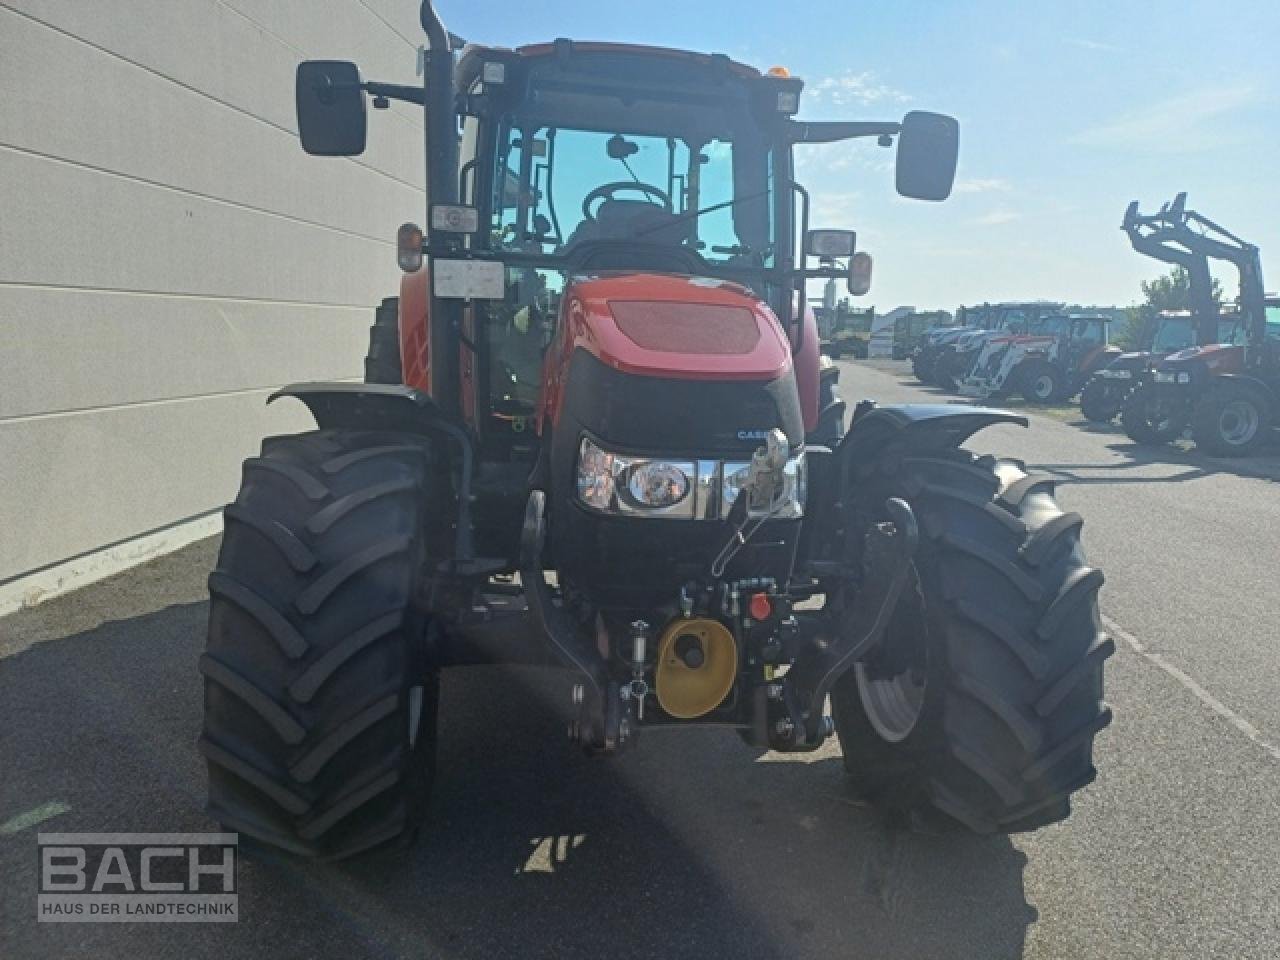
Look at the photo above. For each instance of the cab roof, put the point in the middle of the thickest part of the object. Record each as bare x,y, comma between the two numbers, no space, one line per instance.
564,47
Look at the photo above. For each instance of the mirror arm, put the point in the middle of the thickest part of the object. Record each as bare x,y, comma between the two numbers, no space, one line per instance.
819,273
831,131
395,91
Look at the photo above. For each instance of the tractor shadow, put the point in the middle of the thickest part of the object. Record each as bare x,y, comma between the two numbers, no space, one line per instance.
1146,464
689,844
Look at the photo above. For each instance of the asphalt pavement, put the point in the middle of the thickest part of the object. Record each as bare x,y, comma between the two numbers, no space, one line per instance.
693,845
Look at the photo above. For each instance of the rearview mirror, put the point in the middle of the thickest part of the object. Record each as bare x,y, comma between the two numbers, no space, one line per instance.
859,274
330,102
928,147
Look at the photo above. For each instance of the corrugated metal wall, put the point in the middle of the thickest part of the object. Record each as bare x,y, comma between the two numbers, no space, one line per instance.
168,254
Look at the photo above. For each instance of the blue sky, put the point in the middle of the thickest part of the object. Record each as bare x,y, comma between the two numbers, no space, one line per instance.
1068,111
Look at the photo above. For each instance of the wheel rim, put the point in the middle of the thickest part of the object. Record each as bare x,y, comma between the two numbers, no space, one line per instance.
1238,422
893,694
1043,387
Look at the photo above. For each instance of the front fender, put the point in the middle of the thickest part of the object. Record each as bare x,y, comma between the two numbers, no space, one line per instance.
876,435
915,426
365,406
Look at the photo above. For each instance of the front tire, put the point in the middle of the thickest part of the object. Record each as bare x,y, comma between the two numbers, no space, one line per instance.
1100,401
1231,420
320,705
979,708
1040,384
1151,415
923,369
946,372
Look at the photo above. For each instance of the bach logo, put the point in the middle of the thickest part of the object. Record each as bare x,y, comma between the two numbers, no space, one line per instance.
138,878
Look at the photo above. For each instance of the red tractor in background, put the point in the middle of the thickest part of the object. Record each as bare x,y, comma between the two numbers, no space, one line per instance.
609,387
1049,362
1227,388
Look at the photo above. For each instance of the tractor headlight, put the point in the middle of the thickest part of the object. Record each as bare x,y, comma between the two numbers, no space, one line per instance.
1184,376
656,483
616,483
596,482
1163,376
640,486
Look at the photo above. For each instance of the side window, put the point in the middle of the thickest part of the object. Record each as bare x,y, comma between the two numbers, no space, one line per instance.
1273,325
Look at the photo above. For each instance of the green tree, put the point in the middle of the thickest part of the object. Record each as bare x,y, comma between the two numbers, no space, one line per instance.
1169,291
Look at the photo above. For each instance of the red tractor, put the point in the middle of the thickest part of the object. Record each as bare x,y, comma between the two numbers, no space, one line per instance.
1227,392
609,447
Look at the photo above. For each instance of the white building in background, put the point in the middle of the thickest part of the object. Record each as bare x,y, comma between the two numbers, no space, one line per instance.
168,255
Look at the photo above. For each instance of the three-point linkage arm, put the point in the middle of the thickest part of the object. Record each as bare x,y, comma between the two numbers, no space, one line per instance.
1183,237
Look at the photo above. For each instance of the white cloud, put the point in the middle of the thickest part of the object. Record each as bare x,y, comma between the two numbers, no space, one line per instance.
1172,125
852,88
982,185
836,209
1095,45
997,217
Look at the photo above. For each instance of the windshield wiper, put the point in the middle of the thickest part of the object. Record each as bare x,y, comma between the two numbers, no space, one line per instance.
694,214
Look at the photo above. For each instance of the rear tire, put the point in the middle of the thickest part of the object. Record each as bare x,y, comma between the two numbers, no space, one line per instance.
382,362
1231,420
320,704
979,709
829,430
1100,401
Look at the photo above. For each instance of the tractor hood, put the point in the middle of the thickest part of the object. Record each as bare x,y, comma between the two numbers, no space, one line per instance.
945,335
1133,360
1215,357
676,327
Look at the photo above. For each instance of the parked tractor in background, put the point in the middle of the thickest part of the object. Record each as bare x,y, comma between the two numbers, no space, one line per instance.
1226,392
843,330
909,331
610,386
933,343
1049,363
1104,396
958,355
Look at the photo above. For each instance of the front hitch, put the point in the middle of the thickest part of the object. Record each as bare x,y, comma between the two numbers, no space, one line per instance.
886,562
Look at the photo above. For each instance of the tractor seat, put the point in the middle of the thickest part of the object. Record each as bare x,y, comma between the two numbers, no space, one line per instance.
628,220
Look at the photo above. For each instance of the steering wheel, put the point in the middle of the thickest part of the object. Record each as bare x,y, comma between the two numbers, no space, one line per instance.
606,191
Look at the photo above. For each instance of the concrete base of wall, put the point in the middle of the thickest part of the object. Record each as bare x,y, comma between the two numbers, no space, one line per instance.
35,588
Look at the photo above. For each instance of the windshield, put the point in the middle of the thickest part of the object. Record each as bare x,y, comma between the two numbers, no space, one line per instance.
556,189
1050,326
1172,333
